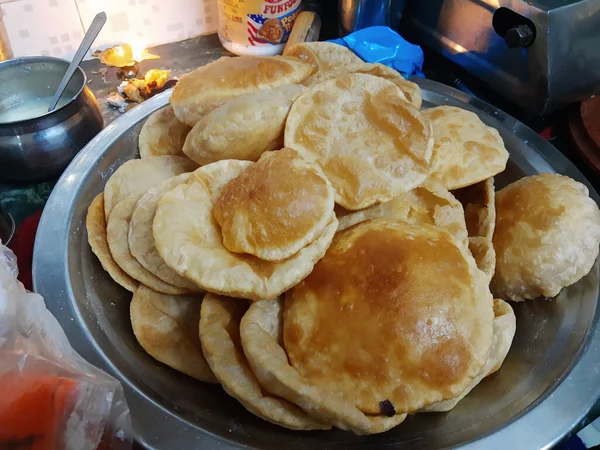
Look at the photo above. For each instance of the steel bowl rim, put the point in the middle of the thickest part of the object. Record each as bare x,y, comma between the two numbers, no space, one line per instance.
531,425
39,59
13,227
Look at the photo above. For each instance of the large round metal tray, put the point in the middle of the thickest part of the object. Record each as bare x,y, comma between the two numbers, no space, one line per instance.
547,385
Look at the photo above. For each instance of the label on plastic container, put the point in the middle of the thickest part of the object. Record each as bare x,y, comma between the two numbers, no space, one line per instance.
257,22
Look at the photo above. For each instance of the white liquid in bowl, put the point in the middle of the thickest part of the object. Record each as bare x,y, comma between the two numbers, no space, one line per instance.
29,109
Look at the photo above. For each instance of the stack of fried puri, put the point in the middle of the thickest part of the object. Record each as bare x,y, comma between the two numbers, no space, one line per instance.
382,342
346,240
247,230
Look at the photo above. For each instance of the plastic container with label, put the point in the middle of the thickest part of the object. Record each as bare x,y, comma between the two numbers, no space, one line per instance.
256,27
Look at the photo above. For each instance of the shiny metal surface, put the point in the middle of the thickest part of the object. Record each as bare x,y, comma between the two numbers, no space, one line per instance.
546,387
40,148
90,36
560,67
354,15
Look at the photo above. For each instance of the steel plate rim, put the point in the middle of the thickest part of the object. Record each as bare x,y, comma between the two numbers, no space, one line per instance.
538,427
81,331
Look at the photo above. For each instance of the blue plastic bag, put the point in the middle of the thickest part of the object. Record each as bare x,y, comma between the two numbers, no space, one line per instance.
383,45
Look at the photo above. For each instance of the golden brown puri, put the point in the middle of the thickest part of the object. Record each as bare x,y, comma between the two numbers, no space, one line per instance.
188,238
95,223
466,150
478,201
220,336
141,238
479,204
326,59
394,313
371,143
208,87
331,61
167,328
505,326
244,127
276,207
117,230
411,90
260,332
427,204
139,175
162,134
484,254
547,235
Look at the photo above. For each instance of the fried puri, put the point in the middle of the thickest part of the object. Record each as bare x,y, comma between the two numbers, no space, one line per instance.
466,150
166,327
189,240
210,86
327,60
220,335
371,143
478,201
139,175
428,204
411,90
394,313
162,134
261,336
276,207
117,230
505,326
141,238
244,127
330,61
95,223
546,238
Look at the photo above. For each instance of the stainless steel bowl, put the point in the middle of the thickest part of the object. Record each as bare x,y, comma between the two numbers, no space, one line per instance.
544,390
41,147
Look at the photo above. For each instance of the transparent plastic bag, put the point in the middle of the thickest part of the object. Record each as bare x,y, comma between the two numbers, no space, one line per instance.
50,397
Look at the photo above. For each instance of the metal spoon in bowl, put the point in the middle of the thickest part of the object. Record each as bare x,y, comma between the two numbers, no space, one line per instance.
88,40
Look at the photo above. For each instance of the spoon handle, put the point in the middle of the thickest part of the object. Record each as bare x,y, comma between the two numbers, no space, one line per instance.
85,45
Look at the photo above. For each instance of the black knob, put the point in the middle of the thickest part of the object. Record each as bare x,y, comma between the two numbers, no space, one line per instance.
519,36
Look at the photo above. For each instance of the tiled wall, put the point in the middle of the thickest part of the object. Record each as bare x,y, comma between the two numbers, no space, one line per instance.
56,27
42,27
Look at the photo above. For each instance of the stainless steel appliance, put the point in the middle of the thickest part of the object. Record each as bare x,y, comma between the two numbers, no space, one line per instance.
541,55
356,14
547,385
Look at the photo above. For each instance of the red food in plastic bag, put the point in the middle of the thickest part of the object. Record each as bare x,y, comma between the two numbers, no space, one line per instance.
32,409
50,397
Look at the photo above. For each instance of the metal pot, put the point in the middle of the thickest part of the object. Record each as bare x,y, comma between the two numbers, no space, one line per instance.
39,148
